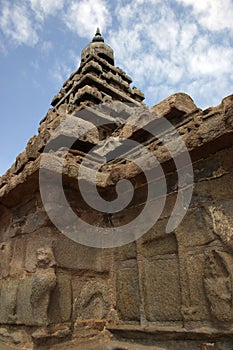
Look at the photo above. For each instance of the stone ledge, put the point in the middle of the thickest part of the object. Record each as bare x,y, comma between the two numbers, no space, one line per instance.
169,333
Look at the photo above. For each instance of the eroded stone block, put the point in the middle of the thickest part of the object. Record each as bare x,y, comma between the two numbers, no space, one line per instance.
5,258
195,305
35,221
93,301
127,289
196,228
218,285
8,301
5,219
221,214
71,255
18,256
16,337
33,243
161,288
24,310
60,308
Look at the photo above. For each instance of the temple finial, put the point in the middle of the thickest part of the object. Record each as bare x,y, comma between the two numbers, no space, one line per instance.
98,37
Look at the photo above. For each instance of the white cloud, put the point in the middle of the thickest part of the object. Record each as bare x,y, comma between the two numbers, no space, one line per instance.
21,21
214,61
16,25
166,50
62,68
84,16
43,8
187,35
46,47
60,72
212,14
166,46
148,49
2,47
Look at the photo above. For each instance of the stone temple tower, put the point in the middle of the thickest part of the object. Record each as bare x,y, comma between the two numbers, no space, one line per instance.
116,220
97,80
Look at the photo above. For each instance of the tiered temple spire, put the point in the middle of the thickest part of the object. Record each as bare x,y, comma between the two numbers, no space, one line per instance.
96,80
98,37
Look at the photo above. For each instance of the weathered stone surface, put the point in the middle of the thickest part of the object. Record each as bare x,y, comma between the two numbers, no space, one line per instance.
175,106
18,337
87,329
93,301
58,331
125,252
25,300
172,290
20,162
127,289
71,129
71,255
60,308
33,244
36,221
36,145
43,283
17,263
207,346
24,312
5,258
222,220
218,285
162,289
196,228
6,219
8,301
195,305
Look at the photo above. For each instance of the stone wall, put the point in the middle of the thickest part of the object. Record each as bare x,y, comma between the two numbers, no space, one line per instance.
165,287
174,281
173,290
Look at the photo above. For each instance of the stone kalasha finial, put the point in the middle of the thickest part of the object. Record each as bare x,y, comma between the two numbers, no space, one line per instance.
98,37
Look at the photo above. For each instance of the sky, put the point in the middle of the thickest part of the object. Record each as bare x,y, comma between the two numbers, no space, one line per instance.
166,46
